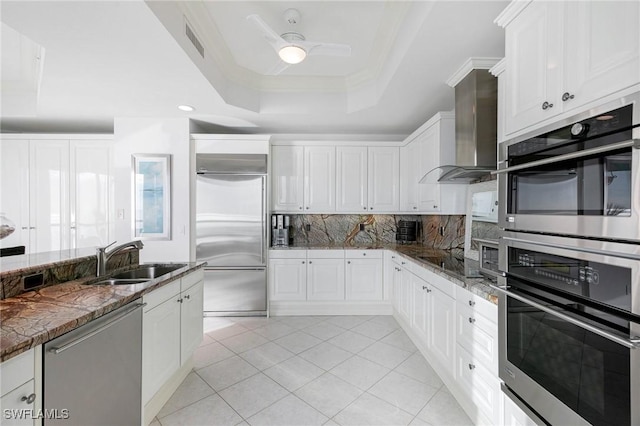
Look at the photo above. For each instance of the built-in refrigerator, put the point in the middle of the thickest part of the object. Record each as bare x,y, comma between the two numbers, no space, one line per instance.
231,232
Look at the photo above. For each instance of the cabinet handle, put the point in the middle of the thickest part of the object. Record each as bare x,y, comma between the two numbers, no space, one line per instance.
471,366
310,262
72,227
179,300
428,290
29,399
435,206
566,96
472,303
415,208
25,227
307,207
472,320
186,296
32,227
393,257
370,208
403,262
364,254
349,262
300,208
303,262
364,208
546,105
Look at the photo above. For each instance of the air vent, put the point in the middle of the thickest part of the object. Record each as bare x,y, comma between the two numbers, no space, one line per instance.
194,40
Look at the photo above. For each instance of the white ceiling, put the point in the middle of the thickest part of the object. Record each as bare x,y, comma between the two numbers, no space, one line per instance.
106,59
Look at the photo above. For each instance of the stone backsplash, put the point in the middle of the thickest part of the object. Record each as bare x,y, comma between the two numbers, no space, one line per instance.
60,272
441,232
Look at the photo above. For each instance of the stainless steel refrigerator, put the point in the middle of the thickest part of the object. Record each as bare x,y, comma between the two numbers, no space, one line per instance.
231,232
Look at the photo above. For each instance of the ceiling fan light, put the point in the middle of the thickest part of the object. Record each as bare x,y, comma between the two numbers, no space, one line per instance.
292,54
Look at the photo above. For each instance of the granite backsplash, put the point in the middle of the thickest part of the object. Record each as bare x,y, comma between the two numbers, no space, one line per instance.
435,231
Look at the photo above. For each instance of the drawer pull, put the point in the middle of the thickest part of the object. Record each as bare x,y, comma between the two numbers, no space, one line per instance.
364,254
310,262
303,262
471,366
472,303
403,263
179,300
29,399
472,320
348,262
186,296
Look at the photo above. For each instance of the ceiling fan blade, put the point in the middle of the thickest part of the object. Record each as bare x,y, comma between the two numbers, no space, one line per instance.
278,68
326,49
267,32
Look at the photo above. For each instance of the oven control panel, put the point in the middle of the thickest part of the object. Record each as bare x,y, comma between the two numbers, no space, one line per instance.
564,273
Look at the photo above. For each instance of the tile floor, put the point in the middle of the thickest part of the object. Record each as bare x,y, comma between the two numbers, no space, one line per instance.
342,370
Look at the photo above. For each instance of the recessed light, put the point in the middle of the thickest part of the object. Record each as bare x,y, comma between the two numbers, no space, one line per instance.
187,108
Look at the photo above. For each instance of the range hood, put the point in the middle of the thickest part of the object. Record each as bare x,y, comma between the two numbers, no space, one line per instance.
476,98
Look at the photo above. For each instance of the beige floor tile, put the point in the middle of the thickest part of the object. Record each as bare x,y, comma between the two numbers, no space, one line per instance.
348,321
210,354
373,330
399,339
298,342
266,356
324,330
419,369
352,342
325,355
443,409
360,372
244,341
192,389
253,395
289,411
403,392
274,330
294,373
384,354
211,410
369,410
226,373
328,394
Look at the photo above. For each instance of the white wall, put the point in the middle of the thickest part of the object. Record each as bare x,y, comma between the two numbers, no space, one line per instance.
154,136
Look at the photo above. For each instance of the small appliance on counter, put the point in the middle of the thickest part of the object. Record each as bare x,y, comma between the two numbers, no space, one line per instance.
407,231
280,225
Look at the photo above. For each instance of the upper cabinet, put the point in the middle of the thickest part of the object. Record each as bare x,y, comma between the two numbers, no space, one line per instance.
563,56
368,179
429,147
287,176
57,191
319,179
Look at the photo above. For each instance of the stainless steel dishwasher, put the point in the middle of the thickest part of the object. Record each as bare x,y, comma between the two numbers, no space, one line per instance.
95,371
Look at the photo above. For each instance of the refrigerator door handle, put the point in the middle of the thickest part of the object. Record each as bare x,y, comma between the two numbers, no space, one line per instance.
264,220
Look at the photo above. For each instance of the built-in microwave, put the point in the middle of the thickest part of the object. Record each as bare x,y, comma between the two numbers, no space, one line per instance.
580,177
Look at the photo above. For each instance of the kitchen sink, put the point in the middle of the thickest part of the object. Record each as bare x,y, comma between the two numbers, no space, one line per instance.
114,281
148,272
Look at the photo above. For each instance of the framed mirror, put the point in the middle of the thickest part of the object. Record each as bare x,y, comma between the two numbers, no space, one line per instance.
151,196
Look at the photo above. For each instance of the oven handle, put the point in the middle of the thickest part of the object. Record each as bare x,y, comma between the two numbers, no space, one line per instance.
629,343
635,143
573,248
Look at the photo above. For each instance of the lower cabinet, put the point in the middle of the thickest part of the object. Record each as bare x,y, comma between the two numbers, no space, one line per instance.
481,385
288,275
171,330
442,329
20,388
325,279
364,275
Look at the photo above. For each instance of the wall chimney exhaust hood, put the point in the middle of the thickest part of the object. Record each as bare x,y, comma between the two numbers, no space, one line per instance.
476,99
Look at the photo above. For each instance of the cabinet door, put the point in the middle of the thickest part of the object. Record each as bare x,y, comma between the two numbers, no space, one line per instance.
90,193
441,312
160,346
481,385
397,287
533,50
428,152
12,403
351,178
325,279
421,293
409,170
49,195
320,179
364,279
191,324
406,297
287,165
288,279
384,179
602,49
14,190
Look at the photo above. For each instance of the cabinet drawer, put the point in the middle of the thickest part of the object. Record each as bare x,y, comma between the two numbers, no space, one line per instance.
478,304
363,254
287,254
442,284
479,335
190,280
13,401
325,254
160,295
482,387
17,371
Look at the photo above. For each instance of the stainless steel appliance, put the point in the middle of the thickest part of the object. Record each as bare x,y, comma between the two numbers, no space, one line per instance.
579,177
231,232
280,230
569,323
488,254
407,231
95,371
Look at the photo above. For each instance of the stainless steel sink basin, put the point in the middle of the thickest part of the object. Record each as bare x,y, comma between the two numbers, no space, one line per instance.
148,272
114,281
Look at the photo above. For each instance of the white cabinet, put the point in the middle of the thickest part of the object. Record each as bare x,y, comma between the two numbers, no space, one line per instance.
288,274
351,179
363,270
319,178
325,278
429,147
171,330
384,179
421,296
20,388
561,56
287,171
58,192
482,386
442,337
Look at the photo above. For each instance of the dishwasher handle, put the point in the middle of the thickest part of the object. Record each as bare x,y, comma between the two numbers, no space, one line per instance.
92,333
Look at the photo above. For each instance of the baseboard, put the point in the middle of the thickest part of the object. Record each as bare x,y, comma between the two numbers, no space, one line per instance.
285,308
155,404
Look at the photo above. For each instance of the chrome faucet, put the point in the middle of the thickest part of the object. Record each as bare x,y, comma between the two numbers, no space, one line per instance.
103,256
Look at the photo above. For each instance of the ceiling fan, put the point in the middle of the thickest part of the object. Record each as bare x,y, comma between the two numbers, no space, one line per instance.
292,47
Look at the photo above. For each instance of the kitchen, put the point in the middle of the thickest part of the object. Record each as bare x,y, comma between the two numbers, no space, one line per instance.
550,80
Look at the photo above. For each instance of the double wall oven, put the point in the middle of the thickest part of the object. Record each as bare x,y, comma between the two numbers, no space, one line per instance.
569,293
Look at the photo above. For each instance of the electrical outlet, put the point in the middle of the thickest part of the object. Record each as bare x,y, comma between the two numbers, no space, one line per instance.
441,230
362,226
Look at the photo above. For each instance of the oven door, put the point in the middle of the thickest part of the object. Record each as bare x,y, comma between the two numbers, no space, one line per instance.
589,192
571,351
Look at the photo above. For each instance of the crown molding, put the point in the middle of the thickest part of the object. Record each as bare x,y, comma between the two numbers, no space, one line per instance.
511,11
470,65
499,68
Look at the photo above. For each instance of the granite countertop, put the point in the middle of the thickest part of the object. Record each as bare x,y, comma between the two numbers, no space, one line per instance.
35,317
449,264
